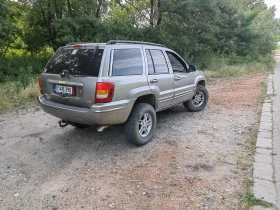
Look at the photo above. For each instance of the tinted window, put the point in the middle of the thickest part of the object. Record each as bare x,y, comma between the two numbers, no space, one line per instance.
176,62
159,62
127,62
150,62
76,61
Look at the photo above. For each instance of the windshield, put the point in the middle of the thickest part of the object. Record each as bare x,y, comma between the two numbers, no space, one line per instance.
84,62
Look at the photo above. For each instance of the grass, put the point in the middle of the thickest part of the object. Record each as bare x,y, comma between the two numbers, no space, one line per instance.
233,71
253,201
13,94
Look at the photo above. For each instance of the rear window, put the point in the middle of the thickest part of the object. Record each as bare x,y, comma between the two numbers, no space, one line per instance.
127,62
77,61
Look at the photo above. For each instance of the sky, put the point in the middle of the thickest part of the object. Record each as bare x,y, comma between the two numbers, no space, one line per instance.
277,4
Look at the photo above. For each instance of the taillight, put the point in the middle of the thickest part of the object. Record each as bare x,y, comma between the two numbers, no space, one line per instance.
104,92
40,85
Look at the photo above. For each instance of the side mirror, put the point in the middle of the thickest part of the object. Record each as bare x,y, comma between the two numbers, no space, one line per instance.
192,68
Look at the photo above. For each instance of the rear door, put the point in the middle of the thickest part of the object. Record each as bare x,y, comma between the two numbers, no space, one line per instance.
71,74
160,79
126,71
183,79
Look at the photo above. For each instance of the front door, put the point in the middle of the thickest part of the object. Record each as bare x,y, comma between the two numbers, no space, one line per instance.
183,80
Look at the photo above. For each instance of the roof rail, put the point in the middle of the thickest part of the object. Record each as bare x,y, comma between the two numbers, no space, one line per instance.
132,42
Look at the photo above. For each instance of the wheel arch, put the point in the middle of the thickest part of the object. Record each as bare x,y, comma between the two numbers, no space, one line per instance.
200,80
149,99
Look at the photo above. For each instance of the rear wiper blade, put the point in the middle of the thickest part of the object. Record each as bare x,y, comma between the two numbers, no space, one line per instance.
64,73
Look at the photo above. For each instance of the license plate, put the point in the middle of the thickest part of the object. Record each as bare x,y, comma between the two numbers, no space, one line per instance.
67,90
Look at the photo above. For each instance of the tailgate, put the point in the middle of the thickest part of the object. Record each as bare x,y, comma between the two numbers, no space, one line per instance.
71,74
76,91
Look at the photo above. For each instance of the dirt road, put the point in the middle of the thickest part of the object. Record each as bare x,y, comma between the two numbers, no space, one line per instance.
193,161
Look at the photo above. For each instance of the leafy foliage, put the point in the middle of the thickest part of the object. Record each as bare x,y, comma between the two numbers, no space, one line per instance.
8,29
204,33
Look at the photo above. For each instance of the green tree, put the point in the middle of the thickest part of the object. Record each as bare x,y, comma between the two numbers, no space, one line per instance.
8,30
237,29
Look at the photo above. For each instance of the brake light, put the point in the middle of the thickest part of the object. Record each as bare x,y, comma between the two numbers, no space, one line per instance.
40,85
77,46
73,91
104,92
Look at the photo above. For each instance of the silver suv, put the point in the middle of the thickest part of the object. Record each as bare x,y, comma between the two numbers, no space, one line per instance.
119,82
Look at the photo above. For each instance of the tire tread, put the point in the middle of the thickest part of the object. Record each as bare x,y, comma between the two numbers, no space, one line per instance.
130,127
188,104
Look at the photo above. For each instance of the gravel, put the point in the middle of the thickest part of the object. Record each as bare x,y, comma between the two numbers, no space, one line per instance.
191,163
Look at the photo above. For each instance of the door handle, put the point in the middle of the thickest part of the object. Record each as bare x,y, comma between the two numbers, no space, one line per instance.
154,81
177,78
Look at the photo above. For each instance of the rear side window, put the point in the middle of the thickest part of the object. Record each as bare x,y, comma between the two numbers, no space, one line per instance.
159,61
127,62
84,62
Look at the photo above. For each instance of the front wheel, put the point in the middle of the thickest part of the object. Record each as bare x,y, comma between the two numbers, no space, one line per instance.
141,124
198,101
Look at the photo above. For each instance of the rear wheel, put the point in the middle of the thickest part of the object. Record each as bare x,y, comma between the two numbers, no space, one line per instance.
198,101
141,124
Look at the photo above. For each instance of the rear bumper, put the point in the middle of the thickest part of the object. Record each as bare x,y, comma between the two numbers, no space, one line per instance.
98,114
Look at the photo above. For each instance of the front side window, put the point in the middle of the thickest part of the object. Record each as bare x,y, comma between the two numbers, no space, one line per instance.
127,62
176,63
159,62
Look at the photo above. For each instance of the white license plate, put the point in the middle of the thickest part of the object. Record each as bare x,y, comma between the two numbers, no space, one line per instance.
63,89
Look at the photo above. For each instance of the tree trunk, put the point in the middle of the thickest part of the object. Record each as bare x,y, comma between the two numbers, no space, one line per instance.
159,13
98,8
57,14
43,14
69,8
51,31
152,14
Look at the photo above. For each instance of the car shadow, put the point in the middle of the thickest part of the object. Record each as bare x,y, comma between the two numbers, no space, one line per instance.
89,139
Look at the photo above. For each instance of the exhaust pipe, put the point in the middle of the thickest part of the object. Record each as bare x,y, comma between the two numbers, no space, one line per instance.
62,123
101,128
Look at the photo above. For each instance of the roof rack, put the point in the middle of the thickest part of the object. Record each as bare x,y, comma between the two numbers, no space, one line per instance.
132,42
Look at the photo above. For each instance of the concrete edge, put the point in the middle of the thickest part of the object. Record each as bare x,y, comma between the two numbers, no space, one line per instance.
264,185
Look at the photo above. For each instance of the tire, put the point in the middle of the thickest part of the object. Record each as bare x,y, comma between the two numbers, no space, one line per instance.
78,125
198,101
142,117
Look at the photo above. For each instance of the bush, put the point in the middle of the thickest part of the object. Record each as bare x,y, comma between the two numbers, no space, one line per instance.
22,69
